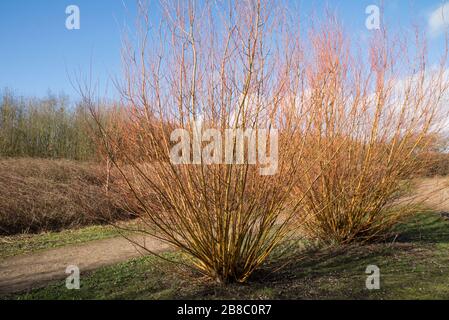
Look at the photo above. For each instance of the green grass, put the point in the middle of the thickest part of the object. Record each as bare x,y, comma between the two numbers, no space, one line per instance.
414,266
22,244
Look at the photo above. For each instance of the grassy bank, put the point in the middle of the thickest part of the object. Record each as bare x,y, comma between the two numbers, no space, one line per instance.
30,243
413,266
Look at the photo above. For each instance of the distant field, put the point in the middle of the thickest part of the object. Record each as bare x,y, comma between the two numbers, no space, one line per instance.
38,195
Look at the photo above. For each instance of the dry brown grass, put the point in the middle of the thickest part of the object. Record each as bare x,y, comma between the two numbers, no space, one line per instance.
48,195
437,164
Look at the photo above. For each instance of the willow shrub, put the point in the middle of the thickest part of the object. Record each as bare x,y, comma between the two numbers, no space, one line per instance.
375,109
230,72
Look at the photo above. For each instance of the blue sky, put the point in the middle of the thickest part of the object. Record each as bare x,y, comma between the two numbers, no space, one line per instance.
38,52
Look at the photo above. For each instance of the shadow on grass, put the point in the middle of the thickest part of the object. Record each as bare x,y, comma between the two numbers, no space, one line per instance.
340,272
425,228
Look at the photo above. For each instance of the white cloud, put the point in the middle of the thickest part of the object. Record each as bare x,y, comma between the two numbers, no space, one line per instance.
439,20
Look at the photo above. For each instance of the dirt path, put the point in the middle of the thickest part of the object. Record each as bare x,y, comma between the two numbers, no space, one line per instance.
434,193
35,270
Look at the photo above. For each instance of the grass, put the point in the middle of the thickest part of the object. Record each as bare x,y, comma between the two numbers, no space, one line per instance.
23,244
413,266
